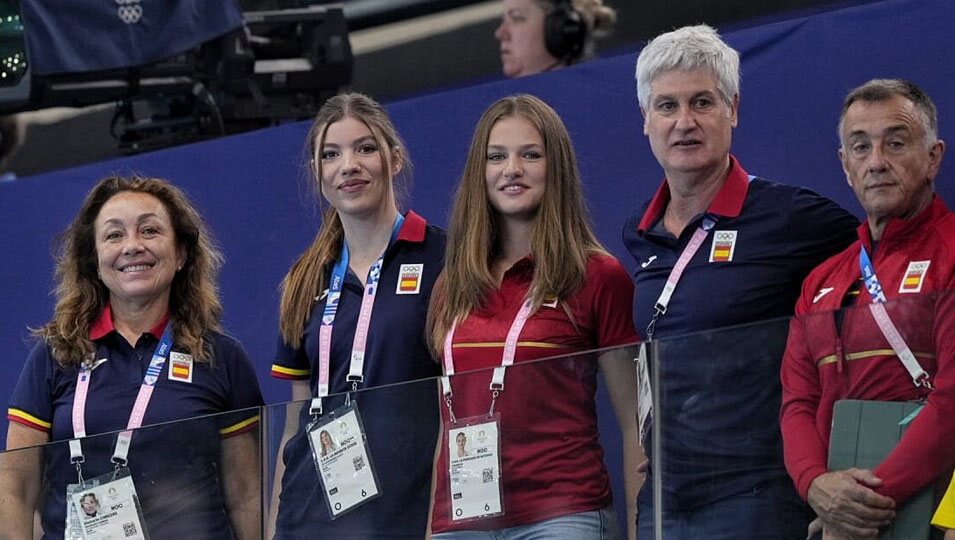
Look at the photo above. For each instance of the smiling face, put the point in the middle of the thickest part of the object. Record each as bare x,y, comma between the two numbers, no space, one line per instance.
461,440
521,35
689,124
516,169
136,249
354,169
888,161
88,502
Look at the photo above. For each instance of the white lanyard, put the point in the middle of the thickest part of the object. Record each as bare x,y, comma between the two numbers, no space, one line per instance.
135,416
677,272
919,376
357,364
507,357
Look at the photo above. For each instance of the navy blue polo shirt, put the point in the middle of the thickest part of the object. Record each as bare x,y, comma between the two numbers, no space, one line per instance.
175,466
720,388
401,422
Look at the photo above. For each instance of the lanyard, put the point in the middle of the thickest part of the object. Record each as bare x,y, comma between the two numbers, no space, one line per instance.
886,326
357,365
677,272
507,357
139,407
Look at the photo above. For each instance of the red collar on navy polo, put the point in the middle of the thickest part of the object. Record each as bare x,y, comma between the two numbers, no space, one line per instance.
727,203
901,229
413,228
103,325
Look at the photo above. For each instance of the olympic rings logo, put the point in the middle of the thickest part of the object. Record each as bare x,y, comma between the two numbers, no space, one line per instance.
725,236
130,14
129,11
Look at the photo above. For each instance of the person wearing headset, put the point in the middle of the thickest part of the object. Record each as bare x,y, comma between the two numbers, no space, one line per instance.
542,35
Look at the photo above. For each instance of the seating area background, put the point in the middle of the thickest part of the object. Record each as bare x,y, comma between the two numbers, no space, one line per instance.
253,189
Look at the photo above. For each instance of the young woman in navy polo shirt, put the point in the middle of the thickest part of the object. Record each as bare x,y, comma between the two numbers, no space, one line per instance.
525,278
364,246
136,307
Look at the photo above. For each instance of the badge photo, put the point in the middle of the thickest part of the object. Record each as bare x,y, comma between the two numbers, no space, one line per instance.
914,277
724,245
180,367
409,279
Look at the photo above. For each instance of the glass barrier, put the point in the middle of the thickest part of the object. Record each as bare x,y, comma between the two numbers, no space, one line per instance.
556,443
717,441
196,478
307,476
532,451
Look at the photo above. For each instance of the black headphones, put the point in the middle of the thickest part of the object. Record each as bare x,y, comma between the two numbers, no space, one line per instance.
565,31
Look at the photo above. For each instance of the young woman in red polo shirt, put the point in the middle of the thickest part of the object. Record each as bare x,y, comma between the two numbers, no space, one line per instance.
525,278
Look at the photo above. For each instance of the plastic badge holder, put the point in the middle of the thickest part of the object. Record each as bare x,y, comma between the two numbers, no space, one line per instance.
342,460
474,468
115,512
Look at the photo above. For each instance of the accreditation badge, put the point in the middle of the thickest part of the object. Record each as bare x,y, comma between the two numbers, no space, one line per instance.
474,468
107,508
342,459
644,393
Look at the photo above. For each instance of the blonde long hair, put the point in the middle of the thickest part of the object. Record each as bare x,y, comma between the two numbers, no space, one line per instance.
562,239
81,296
309,275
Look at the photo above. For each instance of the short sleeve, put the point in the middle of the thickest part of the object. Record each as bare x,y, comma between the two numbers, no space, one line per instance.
32,401
290,363
612,302
244,395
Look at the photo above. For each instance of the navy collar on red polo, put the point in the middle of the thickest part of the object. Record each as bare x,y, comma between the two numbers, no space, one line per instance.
103,325
727,203
900,229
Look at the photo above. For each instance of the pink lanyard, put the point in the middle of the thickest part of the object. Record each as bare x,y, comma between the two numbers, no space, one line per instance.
699,236
507,357
356,367
891,333
136,416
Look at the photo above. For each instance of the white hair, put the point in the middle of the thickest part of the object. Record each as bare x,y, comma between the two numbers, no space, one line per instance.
687,49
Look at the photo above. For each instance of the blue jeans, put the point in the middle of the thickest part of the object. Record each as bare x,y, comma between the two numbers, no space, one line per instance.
592,525
770,511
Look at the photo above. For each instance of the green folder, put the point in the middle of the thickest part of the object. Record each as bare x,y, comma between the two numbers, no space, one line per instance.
863,434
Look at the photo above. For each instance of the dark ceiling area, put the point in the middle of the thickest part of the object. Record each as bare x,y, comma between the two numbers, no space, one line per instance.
463,55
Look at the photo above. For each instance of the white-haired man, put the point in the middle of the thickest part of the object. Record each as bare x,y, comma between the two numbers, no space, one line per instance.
718,247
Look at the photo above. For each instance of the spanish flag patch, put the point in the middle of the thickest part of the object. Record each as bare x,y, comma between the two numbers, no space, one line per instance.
180,367
409,279
724,244
914,277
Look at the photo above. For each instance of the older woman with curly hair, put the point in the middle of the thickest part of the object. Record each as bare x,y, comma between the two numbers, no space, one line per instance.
135,340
